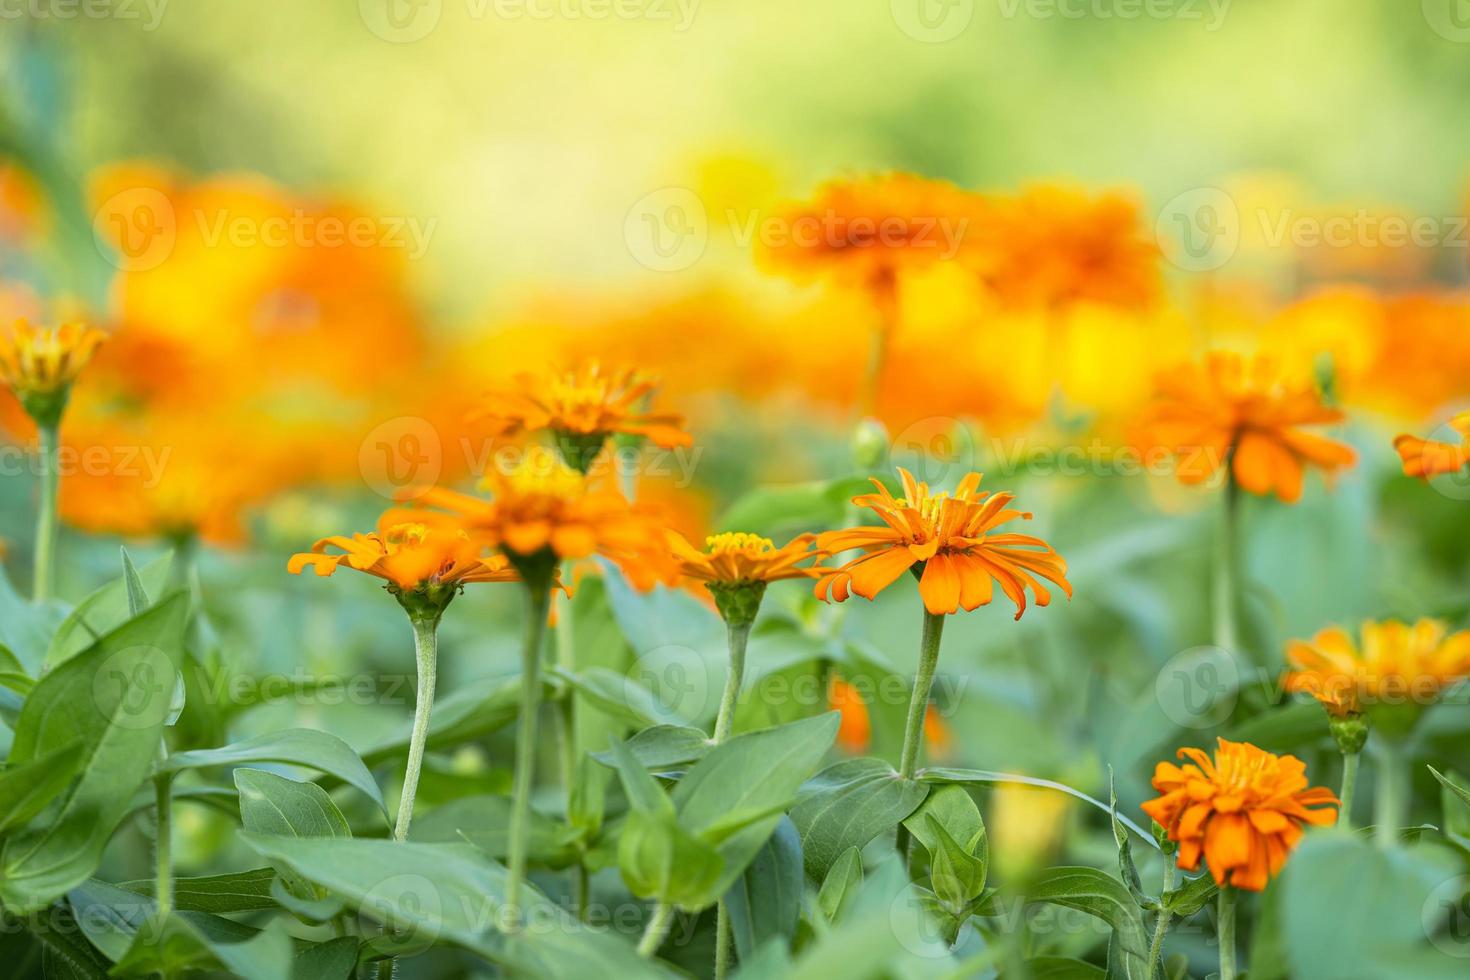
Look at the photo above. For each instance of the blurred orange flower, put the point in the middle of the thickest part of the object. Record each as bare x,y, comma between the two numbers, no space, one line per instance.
1424,458
854,729
412,550
950,539
1242,812
1237,412
44,360
1397,663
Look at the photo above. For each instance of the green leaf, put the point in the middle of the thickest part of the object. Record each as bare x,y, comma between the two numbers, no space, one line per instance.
112,916
661,860
1455,804
296,746
112,699
484,821
618,696
27,788
137,592
26,627
663,747
240,891
980,777
1104,897
587,800
956,875
175,944
473,711
1191,896
765,902
452,892
334,959
1062,968
66,953
643,791
105,610
849,804
841,884
272,804
1126,867
956,811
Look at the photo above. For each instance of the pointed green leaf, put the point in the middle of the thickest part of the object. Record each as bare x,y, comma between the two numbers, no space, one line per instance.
1103,897
664,747
841,884
27,788
296,746
765,902
103,611
1129,871
226,894
175,944
956,875
272,804
849,804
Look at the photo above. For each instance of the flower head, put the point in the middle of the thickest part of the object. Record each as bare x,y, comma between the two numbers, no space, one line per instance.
41,363
1425,458
952,539
541,511
1242,811
737,567
1237,412
1397,665
854,727
582,408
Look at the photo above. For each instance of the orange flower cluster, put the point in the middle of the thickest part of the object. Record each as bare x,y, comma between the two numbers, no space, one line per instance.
1232,412
951,539
1242,811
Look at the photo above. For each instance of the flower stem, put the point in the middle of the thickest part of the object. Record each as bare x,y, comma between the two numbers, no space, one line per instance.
1227,569
656,930
1391,797
919,703
724,940
426,651
737,636
42,587
1161,925
1349,786
1227,933
539,597
163,887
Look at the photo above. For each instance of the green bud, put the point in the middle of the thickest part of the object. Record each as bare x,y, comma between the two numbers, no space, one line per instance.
1351,732
738,602
869,444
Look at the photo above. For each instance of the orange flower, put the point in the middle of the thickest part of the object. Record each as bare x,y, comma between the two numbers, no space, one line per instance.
1243,811
937,734
543,508
413,550
949,538
1425,458
1397,663
44,360
854,729
865,231
585,406
1240,412
739,558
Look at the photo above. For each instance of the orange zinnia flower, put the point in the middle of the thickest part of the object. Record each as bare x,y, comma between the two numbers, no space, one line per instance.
412,550
951,540
1424,458
1239,412
582,407
739,558
854,728
1396,664
542,508
40,363
1243,811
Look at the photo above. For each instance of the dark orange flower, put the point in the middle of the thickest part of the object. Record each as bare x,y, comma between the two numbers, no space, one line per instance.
1230,410
412,549
1424,458
739,558
585,404
1396,662
543,506
1242,812
952,540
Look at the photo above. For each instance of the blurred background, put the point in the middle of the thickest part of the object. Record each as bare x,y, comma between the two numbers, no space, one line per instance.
317,232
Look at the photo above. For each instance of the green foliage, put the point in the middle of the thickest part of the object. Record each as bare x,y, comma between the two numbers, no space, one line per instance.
848,805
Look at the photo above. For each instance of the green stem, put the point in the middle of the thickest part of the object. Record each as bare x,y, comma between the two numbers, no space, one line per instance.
163,887
913,738
737,636
539,598
1227,933
584,886
1349,787
724,942
45,567
656,930
1391,798
1227,568
426,651
1161,925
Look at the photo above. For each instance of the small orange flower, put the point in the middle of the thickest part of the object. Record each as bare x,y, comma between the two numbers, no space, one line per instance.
542,507
951,540
854,728
739,558
412,550
1243,811
938,736
44,360
1230,410
585,404
1425,458
1397,663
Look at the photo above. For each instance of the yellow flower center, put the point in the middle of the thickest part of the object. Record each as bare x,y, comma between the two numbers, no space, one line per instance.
407,534
738,543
